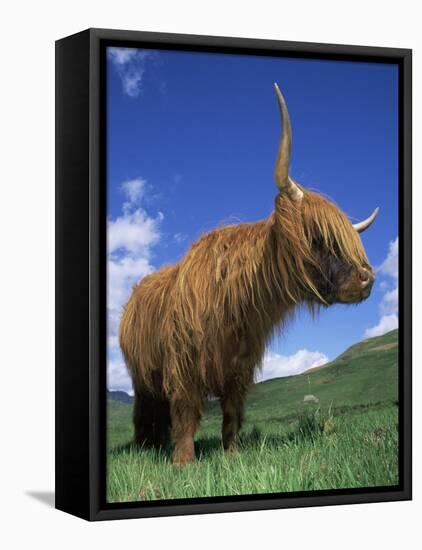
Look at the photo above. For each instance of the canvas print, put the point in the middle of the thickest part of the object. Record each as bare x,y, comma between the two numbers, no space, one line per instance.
252,275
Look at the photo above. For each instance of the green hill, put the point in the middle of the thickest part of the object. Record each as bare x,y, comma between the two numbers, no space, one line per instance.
119,396
365,374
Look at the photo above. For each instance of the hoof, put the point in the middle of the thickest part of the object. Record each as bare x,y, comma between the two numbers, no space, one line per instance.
182,460
232,451
232,448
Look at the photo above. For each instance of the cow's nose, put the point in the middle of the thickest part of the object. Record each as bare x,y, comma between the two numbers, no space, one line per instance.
367,278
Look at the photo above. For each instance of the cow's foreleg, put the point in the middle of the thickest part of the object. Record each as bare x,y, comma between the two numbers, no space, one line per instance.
185,416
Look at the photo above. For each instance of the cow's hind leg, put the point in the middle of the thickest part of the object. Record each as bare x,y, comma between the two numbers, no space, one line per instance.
143,419
185,416
151,419
162,422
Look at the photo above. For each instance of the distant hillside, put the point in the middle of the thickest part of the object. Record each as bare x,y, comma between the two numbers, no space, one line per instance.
387,341
119,397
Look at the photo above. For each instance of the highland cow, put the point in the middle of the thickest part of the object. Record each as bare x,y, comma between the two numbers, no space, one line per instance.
200,327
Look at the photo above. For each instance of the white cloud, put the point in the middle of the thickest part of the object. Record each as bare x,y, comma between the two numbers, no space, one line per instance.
386,323
130,238
389,305
122,274
133,233
390,266
130,66
117,377
134,189
121,56
275,365
390,302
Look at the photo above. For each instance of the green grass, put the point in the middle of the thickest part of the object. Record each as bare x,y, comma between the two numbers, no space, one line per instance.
349,439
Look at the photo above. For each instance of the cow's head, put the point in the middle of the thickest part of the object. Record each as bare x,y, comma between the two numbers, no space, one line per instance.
326,247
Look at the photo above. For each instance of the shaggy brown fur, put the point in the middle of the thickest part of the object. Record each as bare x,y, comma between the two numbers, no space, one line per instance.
200,327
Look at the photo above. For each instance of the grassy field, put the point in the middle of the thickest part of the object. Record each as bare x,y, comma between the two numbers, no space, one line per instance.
348,439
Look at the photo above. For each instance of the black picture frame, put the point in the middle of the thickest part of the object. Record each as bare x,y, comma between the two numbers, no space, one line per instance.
81,273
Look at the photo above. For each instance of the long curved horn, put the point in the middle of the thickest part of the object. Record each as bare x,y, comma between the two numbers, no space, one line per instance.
281,173
361,226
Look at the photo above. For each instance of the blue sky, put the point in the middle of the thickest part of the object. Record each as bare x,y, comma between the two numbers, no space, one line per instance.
191,144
